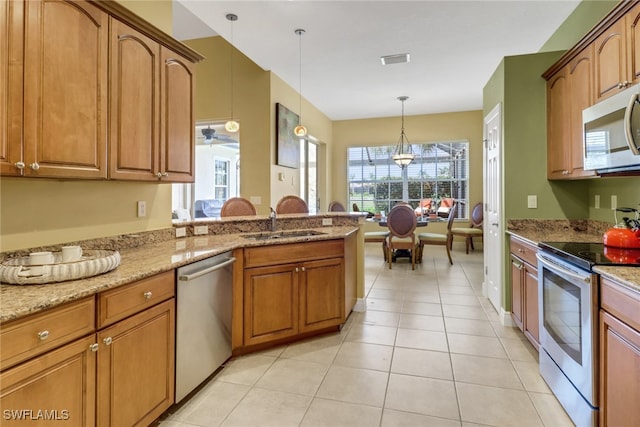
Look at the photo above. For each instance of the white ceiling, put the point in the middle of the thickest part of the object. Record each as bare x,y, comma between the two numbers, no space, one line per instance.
455,47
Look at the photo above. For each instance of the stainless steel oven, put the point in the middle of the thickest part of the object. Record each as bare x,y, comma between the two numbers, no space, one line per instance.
569,300
568,297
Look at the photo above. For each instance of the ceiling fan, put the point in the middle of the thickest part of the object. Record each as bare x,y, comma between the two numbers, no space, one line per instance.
210,137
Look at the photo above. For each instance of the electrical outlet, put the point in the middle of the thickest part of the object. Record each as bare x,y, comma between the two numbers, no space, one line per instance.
142,208
200,229
614,202
596,202
327,221
532,201
256,200
181,231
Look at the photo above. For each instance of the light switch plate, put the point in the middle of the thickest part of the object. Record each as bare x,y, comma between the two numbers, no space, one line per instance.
327,221
142,208
200,229
614,202
181,231
532,201
596,201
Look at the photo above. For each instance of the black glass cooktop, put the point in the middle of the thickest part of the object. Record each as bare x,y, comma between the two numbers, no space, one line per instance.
586,255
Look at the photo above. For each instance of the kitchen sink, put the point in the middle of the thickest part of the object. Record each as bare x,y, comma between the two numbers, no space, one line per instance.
283,234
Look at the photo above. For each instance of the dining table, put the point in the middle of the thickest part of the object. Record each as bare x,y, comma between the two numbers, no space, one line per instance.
422,221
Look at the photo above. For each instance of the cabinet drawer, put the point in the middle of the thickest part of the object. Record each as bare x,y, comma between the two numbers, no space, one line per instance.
525,251
620,301
34,335
293,252
118,303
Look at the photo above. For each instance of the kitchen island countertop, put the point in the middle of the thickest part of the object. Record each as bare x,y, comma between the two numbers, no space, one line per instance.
137,263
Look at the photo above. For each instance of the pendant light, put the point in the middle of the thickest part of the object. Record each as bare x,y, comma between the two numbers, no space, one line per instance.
403,155
231,125
300,130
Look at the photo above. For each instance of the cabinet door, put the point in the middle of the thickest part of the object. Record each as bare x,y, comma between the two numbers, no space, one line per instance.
11,39
321,294
61,382
134,134
558,127
619,373
136,367
177,153
517,291
633,43
580,77
65,89
270,303
531,327
610,61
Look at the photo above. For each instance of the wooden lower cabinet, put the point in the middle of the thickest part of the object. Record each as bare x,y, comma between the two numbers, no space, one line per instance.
292,289
136,367
524,289
619,355
56,388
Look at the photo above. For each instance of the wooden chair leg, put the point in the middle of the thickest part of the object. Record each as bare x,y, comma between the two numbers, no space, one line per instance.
471,241
467,241
384,249
389,256
449,253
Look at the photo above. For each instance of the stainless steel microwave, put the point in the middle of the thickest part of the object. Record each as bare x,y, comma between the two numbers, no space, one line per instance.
612,133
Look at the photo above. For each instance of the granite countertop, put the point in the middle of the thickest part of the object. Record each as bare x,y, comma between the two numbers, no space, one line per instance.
536,231
137,263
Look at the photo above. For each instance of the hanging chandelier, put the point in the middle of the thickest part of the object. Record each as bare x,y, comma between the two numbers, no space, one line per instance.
300,130
403,155
231,125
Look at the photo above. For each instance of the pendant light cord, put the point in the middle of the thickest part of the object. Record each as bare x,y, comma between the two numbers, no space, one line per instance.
300,32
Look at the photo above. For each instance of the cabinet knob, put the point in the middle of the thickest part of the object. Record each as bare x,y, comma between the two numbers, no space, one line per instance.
164,174
19,165
43,335
147,295
35,166
297,269
520,250
107,340
159,175
94,347
303,269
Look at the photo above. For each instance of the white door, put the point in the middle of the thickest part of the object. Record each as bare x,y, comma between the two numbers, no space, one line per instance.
493,248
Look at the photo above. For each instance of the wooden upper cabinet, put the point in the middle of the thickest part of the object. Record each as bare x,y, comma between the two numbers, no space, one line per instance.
633,43
558,127
611,61
11,63
134,137
177,146
580,77
65,89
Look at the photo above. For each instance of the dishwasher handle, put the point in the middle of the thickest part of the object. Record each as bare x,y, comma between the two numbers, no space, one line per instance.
187,277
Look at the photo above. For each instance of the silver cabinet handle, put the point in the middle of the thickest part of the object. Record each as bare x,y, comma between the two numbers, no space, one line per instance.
164,174
93,347
34,166
297,270
159,175
107,340
517,264
147,295
19,165
303,269
43,335
187,277
495,224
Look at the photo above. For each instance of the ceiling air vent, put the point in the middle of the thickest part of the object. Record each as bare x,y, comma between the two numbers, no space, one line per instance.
400,58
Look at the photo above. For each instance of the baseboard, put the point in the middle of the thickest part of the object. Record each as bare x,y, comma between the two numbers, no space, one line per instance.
361,305
505,318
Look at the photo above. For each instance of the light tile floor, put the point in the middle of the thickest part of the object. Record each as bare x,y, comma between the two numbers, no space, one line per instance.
429,351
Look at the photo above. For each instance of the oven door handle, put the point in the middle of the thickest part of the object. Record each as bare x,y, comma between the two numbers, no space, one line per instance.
561,269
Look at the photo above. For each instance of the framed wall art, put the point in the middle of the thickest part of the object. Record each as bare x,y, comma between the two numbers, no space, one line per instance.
288,145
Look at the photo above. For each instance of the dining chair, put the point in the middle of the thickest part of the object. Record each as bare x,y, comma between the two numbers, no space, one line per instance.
438,238
237,206
291,204
474,229
336,206
401,221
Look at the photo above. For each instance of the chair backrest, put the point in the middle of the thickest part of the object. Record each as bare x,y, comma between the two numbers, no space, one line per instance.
237,206
477,216
336,207
291,204
452,215
355,207
401,221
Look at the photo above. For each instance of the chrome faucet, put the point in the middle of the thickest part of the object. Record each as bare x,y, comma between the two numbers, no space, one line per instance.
272,215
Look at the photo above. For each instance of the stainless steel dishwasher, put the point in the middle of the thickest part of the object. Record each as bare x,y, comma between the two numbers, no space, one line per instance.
203,320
